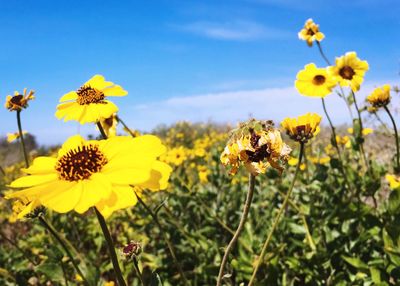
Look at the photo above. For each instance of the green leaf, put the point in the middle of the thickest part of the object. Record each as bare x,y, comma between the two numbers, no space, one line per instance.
355,262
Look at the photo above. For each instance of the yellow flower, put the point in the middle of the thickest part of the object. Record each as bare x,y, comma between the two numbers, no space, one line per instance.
343,140
293,162
11,137
109,283
88,103
175,156
203,173
78,278
18,101
302,128
109,125
349,70
320,161
394,181
311,33
365,131
21,208
314,82
94,173
380,96
258,146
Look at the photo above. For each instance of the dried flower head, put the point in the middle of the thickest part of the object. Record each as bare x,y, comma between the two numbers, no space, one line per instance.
257,145
18,101
132,249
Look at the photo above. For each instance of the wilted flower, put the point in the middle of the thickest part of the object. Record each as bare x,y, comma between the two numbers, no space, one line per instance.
257,145
315,82
302,128
109,125
349,70
18,101
94,173
380,96
89,103
311,33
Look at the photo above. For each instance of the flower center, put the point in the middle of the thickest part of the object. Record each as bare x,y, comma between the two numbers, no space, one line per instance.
310,32
319,79
17,99
88,95
81,163
260,153
347,72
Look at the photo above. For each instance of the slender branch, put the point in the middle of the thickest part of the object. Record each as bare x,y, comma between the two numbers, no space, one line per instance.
277,218
323,54
139,274
126,126
360,132
55,234
21,136
111,249
243,219
166,239
396,135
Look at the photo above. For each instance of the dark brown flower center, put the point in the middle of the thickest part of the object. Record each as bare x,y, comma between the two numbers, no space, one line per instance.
81,163
310,32
319,79
88,95
347,72
17,99
260,152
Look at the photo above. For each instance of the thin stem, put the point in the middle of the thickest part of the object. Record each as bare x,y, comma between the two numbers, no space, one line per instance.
167,241
277,218
64,273
323,54
235,237
55,234
101,129
126,126
139,274
21,136
361,130
396,135
24,254
334,143
2,171
111,249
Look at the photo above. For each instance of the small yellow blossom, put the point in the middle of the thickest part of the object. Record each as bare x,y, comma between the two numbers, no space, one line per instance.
311,33
365,131
394,181
11,137
302,128
380,96
18,101
314,82
175,156
78,278
294,161
343,140
349,70
109,283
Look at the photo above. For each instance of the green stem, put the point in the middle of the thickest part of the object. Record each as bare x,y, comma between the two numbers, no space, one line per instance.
166,239
111,249
396,135
24,254
55,234
139,274
323,54
242,222
360,132
64,273
277,218
126,126
21,136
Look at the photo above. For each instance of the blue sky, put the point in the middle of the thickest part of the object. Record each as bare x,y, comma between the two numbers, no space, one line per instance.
196,60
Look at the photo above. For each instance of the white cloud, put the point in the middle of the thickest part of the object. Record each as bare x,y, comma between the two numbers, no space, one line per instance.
236,30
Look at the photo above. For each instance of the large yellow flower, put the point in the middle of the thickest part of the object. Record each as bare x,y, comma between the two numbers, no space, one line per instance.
380,96
94,173
302,128
311,33
315,82
88,103
349,70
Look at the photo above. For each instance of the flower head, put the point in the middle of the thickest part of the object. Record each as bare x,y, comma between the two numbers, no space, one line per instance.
315,82
88,103
311,33
380,96
109,125
257,145
18,101
394,181
349,70
132,249
302,128
94,173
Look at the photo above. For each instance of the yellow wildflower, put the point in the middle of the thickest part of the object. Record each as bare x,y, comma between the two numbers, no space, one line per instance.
293,162
302,128
365,131
109,125
311,33
175,156
11,137
394,181
343,140
94,173
18,101
88,103
349,70
314,82
380,96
